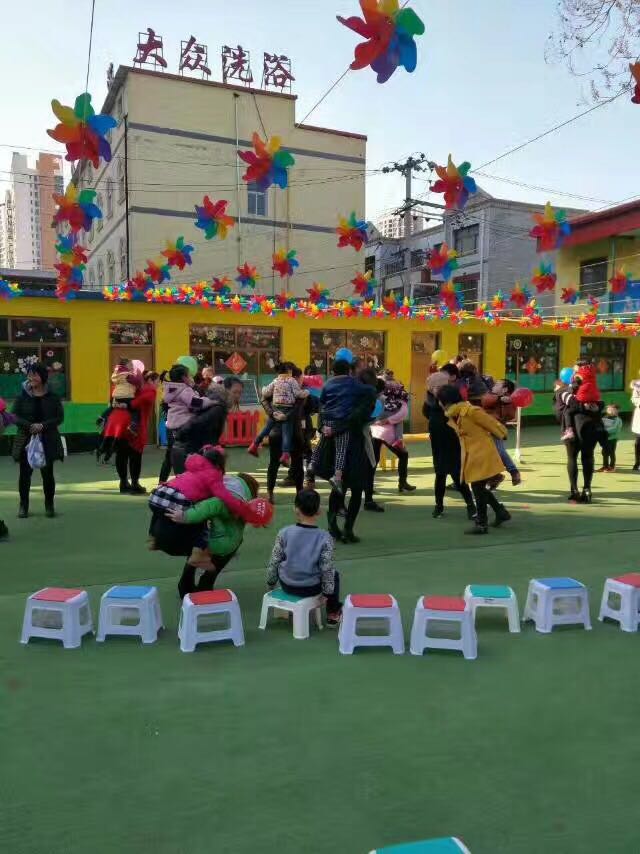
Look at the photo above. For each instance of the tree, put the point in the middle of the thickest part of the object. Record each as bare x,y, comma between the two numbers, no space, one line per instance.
597,39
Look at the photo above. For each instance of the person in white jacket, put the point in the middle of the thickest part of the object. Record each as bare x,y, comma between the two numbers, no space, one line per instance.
635,422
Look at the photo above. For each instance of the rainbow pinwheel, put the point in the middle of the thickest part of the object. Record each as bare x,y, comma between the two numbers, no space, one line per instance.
391,303
551,228
70,274
178,254
634,68
498,302
284,262
213,219
352,232
620,281
157,272
364,285
443,261
139,282
71,252
544,277
82,130
248,276
78,209
268,163
520,296
569,296
389,33
9,290
451,295
221,286
456,185
318,294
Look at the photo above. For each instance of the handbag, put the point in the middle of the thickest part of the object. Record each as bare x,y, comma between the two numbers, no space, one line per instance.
35,453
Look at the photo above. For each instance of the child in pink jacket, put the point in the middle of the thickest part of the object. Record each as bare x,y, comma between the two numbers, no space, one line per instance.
182,400
396,410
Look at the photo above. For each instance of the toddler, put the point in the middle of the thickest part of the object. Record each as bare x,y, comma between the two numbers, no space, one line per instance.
498,404
613,426
395,396
182,400
126,382
586,391
302,560
284,392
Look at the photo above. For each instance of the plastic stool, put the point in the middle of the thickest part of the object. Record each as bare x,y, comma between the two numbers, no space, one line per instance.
121,602
300,606
195,605
443,609
493,596
68,607
388,460
448,845
370,607
627,587
557,602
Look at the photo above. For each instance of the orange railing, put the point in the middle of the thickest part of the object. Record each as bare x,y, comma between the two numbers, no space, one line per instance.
241,428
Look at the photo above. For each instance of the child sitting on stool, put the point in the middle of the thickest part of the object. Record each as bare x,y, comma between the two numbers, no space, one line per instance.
302,560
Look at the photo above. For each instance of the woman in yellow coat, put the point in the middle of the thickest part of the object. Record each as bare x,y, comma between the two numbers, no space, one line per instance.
480,458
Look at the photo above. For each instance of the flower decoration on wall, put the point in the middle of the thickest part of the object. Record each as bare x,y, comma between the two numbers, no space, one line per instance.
82,131
213,219
455,184
285,263
268,163
389,32
352,232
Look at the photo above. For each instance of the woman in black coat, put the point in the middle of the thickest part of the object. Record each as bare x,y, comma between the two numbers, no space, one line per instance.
38,412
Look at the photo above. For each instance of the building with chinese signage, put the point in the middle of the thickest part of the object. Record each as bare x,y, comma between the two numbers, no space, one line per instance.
177,141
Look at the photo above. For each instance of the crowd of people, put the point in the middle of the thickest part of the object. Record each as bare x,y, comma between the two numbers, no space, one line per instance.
201,512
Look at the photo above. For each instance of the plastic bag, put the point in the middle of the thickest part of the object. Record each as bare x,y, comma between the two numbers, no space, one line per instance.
35,453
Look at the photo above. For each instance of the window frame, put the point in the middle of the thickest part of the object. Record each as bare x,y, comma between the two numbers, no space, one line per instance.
342,338
549,377
253,195
13,343
594,357
596,288
468,349
460,233
222,347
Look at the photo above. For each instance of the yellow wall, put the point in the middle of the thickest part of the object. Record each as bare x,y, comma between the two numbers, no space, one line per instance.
621,252
90,353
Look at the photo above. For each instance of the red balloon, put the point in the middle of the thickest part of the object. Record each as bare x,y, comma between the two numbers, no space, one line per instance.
263,510
522,398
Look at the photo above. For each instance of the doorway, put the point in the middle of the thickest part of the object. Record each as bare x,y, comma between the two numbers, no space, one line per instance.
133,341
423,345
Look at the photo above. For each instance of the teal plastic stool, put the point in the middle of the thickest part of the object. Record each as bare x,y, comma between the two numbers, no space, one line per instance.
299,607
448,845
494,596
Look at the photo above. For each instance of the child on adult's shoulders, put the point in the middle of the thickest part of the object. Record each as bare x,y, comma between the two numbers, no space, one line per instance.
302,561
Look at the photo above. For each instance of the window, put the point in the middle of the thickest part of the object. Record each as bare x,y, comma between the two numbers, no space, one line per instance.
466,240
468,289
256,200
111,268
128,333
123,259
100,274
24,341
471,347
121,184
368,346
100,204
109,198
609,355
250,350
418,257
532,361
370,264
593,277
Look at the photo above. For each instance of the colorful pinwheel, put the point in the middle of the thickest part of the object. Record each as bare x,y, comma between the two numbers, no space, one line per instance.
544,277
78,209
71,252
391,303
9,290
364,285
213,219
352,232
389,34
178,254
520,296
248,276
498,302
451,296
443,261
551,228
285,262
268,163
318,294
139,282
634,68
454,182
569,296
221,286
82,131
620,281
157,272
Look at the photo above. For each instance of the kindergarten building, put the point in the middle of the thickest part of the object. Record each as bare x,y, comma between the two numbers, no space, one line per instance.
81,340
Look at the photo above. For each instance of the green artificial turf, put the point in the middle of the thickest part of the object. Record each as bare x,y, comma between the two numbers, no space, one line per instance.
286,746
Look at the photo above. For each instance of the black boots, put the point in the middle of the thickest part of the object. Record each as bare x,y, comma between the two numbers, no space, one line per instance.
50,510
406,487
23,511
478,529
502,515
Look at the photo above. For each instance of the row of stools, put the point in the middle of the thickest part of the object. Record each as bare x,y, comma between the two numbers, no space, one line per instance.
64,614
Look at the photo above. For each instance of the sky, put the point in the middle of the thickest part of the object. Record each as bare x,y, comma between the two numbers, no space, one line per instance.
481,86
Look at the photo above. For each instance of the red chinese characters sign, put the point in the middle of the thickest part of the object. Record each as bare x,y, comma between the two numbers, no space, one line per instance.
276,72
194,57
236,64
150,50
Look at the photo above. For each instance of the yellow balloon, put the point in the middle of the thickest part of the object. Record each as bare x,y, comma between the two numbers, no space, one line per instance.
439,357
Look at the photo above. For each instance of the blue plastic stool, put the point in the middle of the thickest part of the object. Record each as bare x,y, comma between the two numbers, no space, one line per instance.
120,603
446,845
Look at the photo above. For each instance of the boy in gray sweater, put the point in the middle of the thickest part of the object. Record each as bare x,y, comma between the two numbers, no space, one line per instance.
302,559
